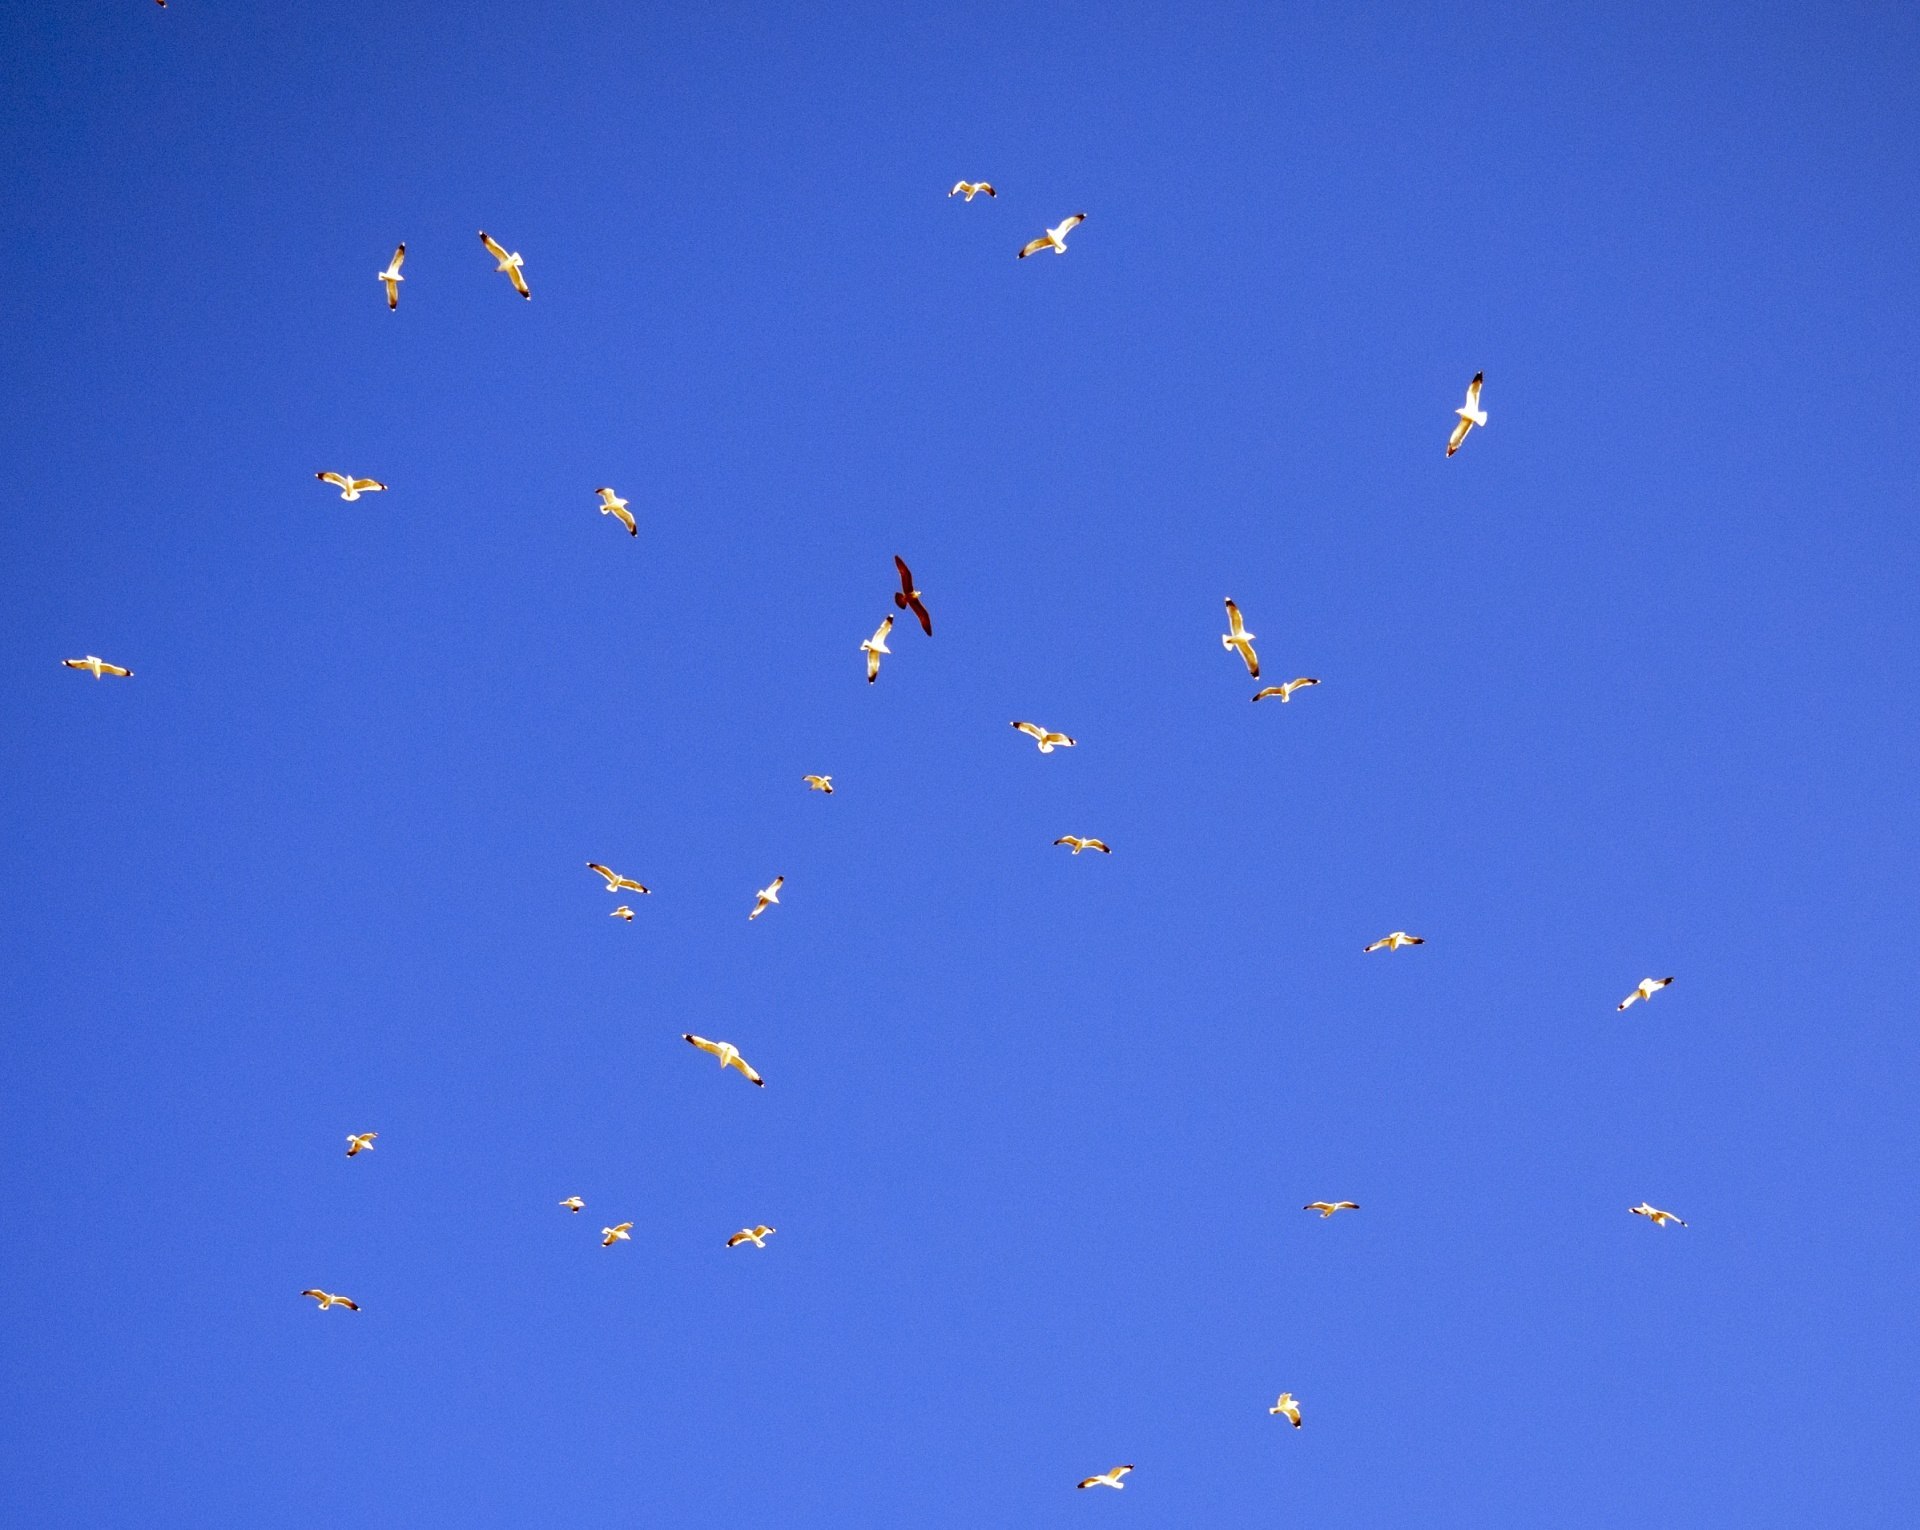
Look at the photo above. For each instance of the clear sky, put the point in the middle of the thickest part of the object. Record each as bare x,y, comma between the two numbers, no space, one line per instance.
1619,691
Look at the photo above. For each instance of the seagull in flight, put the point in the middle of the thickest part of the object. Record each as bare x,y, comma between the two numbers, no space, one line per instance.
970,189
1289,1407
620,1232
728,1054
392,277
1471,414
574,1204
766,897
624,911
1238,638
1328,1208
1395,941
1055,239
327,1299
1107,1479
757,1236
510,264
874,647
819,784
615,882
351,488
97,666
907,598
612,504
1048,742
360,1142
1285,692
1644,991
1080,844
1655,1215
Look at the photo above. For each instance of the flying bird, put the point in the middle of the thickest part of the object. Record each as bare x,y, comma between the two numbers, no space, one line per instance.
1655,1215
1106,1479
622,912
1080,844
574,1204
392,277
728,1054
1328,1208
1643,991
510,264
96,666
766,897
1285,692
1047,741
874,647
615,882
620,1232
757,1236
351,488
612,504
327,1299
360,1142
969,189
1055,239
1238,638
1395,941
1287,1406
1470,415
907,598
819,784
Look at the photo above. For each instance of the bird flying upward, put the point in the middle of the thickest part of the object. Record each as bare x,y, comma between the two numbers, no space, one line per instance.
574,1204
1395,941
327,1299
1055,239
1644,991
392,277
1048,742
96,666
907,598
971,189
1106,1479
728,1054
1471,414
757,1236
1288,1408
360,1142
1285,692
819,784
1655,1215
615,882
612,504
351,488
1080,844
1328,1208
620,1232
874,647
510,264
766,897
1239,639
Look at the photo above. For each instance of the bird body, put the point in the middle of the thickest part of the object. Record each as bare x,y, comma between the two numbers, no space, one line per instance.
1240,640
1644,991
874,647
351,488
360,1142
574,1204
819,784
1655,1215
728,1054
615,882
1055,239
510,265
1285,692
1328,1208
1078,844
907,598
757,1236
612,504
1047,741
620,1232
1288,1408
1106,1479
1471,414
392,277
96,666
766,897
1396,940
327,1299
970,189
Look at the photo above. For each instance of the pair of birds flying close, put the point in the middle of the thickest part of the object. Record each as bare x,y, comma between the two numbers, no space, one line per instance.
907,598
1240,641
1054,239
508,264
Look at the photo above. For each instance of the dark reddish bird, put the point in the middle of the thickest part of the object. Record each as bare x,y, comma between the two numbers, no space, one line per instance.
907,598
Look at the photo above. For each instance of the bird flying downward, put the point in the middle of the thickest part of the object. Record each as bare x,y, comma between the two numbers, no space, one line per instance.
1470,415
620,1232
1080,844
1239,639
1655,1215
971,189
728,1054
510,264
757,1236
392,277
1395,941
1328,1208
96,666
1285,692
1287,1407
622,912
612,504
615,882
766,897
1644,991
819,784
907,598
351,488
874,647
1055,239
360,1142
1106,1479
574,1204
327,1299
1048,742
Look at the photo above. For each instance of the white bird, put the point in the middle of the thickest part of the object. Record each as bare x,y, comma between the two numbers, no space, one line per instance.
1285,692
1328,1208
97,666
620,1232
1080,844
574,1204
1471,415
728,1054
360,1142
1047,741
1655,1215
615,882
622,912
1106,1479
819,784
351,488
510,264
1288,1407
1644,991
327,1299
1055,239
1238,638
874,647
612,504
766,897
1395,941
392,277
970,189
757,1236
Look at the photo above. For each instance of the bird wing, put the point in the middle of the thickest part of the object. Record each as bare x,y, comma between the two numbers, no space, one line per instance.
738,1238
399,256
873,664
1271,690
1032,730
612,876
906,576
316,1295
1066,839
880,632
1459,435
626,519
958,187
919,610
493,248
1059,738
1237,628
368,485
1033,247
347,1302
712,1047
1095,844
115,669
1473,392
1244,647
336,479
1346,1205
737,1061
983,186
1379,943
519,281
1624,1003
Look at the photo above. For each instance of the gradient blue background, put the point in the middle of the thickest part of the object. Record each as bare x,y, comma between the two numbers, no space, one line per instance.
1620,690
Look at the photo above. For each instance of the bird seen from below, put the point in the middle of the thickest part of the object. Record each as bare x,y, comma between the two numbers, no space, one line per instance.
728,1054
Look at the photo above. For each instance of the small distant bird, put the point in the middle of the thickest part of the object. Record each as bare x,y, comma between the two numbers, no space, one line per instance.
1285,692
574,1204
728,1054
622,912
1238,638
351,488
766,897
360,1142
1655,1215
1287,1406
1055,239
1643,991
620,1232
874,647
1106,1479
615,882
510,264
1080,844
1471,415
757,1236
1048,742
1395,941
612,504
907,598
327,1299
392,277
96,666
819,784
1328,1208
970,189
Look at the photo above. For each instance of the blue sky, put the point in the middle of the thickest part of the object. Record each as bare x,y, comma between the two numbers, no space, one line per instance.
1615,692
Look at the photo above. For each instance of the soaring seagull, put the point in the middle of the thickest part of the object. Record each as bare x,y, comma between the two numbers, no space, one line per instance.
1655,1215
757,1236
96,666
1285,692
510,264
971,189
612,504
351,488
360,1142
1328,1208
1239,639
1395,941
874,647
615,882
907,598
766,897
819,784
728,1054
1644,991
574,1204
327,1299
620,1232
392,277
1055,239
1106,1479
1080,844
1471,414
1288,1407
1048,742
624,911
